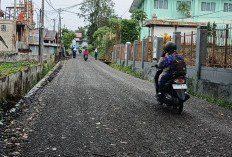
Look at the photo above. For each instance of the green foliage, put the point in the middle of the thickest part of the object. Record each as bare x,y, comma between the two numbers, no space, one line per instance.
65,30
97,13
4,104
91,29
114,25
101,35
47,68
67,51
210,28
67,39
129,31
90,48
139,15
11,68
183,8
128,70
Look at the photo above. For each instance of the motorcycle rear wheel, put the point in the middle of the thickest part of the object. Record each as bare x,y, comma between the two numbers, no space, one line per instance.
179,108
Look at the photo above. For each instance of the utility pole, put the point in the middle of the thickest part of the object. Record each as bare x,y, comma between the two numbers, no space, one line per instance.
14,10
42,34
59,33
38,19
54,27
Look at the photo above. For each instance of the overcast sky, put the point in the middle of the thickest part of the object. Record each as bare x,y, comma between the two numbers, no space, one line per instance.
71,21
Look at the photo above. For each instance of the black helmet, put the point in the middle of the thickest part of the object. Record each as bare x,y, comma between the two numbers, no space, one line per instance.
170,47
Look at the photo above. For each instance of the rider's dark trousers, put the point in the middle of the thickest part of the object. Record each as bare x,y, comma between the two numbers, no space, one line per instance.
163,80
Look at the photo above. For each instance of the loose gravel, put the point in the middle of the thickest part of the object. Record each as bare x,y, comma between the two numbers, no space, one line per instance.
90,109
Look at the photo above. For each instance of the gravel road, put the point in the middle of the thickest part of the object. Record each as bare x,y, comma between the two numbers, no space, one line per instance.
90,109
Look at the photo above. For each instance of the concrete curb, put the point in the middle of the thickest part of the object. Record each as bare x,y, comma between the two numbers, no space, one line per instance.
36,87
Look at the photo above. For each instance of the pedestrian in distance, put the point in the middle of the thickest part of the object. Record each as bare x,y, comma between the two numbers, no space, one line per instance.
96,53
74,50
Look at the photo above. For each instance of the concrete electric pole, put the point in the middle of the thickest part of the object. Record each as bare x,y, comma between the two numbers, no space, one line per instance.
54,26
42,34
59,34
14,10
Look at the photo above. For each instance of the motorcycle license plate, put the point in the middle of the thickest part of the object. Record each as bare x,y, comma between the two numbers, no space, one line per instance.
179,86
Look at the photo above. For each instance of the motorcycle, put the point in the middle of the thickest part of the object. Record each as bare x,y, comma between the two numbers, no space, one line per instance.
85,57
175,92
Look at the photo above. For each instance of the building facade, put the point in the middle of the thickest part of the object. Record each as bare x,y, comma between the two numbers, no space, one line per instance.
201,12
7,35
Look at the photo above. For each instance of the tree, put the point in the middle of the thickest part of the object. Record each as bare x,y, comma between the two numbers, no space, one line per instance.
67,39
140,16
114,25
210,28
97,13
129,31
101,34
183,8
65,30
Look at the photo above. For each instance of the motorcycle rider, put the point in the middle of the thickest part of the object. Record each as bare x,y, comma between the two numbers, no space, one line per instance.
85,53
80,50
165,63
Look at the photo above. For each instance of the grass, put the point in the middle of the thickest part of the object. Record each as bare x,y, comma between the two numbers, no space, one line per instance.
99,55
128,70
218,101
12,68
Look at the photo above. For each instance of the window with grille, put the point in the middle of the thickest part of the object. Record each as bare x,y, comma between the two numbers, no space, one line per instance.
161,4
227,7
3,27
208,6
179,2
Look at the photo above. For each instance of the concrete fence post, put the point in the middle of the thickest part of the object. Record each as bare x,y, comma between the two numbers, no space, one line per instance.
120,58
157,47
143,52
127,53
134,54
177,40
116,59
201,49
113,53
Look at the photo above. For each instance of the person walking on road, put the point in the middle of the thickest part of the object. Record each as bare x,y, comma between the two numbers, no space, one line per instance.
96,53
74,50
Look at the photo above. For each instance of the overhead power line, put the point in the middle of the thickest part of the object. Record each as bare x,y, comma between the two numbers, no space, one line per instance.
73,6
50,4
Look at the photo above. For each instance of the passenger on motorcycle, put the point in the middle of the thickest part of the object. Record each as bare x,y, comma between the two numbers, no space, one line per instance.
165,63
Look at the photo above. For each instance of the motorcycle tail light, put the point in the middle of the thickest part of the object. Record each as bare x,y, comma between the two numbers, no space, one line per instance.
179,80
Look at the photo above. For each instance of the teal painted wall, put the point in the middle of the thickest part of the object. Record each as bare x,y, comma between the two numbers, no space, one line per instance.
219,16
197,14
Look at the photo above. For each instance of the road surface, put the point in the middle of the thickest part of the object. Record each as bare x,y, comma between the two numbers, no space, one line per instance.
90,109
